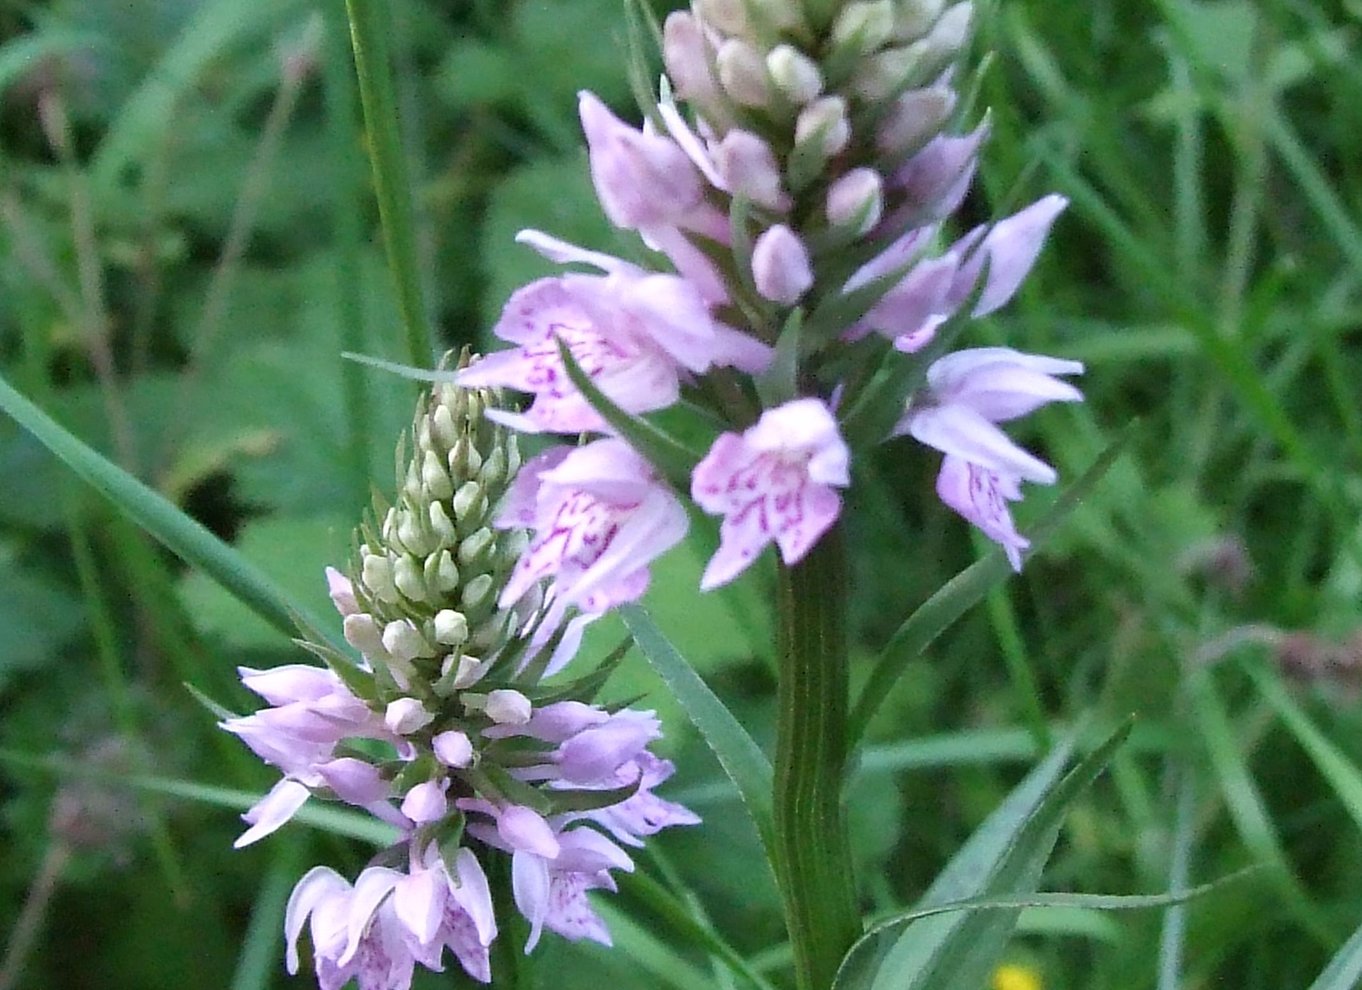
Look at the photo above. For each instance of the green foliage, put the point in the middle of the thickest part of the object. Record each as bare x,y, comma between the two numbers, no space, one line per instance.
1207,271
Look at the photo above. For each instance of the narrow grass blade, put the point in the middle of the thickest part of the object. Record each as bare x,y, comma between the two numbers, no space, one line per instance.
1044,899
181,534
962,592
741,758
1342,773
1247,809
370,30
1344,971
259,959
1003,860
681,922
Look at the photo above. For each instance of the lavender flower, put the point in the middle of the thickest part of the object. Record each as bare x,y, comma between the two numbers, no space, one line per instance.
801,142
460,755
774,482
968,393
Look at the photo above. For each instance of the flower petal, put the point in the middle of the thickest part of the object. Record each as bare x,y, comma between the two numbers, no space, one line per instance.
962,432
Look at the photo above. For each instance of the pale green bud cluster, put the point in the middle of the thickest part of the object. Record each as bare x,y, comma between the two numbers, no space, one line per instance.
430,566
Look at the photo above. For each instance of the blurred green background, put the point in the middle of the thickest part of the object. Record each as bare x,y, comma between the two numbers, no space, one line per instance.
187,244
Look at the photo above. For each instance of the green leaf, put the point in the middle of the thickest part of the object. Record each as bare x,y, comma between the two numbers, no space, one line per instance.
182,535
1002,860
1344,971
962,592
663,451
741,758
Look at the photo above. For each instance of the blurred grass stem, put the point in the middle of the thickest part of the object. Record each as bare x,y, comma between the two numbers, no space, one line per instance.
244,215
95,325
370,30
28,926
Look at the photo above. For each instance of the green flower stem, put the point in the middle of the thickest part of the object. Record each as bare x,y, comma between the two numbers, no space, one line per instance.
814,858
370,31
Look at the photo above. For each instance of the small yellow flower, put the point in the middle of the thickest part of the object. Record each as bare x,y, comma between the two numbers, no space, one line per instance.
1015,977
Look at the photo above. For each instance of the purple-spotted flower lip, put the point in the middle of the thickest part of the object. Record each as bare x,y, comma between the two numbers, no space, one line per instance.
600,515
773,483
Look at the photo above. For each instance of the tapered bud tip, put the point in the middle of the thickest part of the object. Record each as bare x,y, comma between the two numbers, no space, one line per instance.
914,18
742,71
781,267
451,627
426,802
453,749
405,716
729,16
794,73
864,26
508,707
824,121
687,56
856,198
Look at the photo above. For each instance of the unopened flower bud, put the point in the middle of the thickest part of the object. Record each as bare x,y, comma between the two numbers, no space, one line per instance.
405,716
377,574
824,121
729,16
864,26
362,632
446,572
780,266
408,577
778,14
412,535
493,470
749,167
641,179
468,501
426,802
508,707
466,670
893,70
477,592
472,549
440,523
434,476
795,74
914,18
915,118
403,641
342,592
453,749
856,198
686,53
525,829
951,31
451,627
742,71
442,426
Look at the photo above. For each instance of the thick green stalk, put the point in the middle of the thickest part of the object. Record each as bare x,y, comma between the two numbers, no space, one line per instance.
811,752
